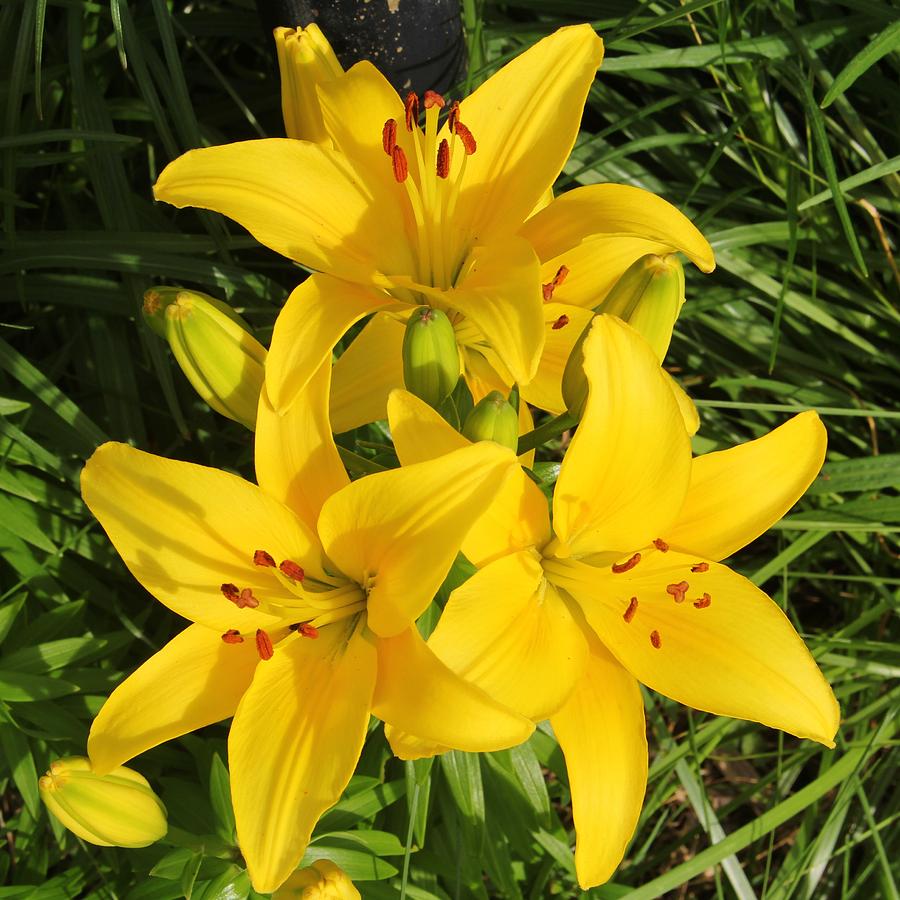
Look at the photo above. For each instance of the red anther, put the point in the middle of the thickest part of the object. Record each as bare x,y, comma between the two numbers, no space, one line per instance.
443,159
453,116
292,570
661,545
432,98
548,288
264,644
628,615
401,166
467,138
561,322
389,136
656,640
619,568
412,110
231,592
703,602
232,636
678,590
308,630
261,558
700,567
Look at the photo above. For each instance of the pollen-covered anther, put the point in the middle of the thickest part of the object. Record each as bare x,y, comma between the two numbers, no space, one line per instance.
466,136
629,613
308,630
453,116
400,163
262,558
548,288
700,567
232,636
619,568
655,640
231,591
561,322
411,110
703,602
292,570
264,644
433,98
661,545
443,159
678,591
389,136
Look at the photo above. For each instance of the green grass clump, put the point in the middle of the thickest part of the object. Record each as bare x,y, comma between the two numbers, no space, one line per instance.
773,125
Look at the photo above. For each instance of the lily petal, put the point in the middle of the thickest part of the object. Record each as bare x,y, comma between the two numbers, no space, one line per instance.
509,632
366,372
626,471
183,530
398,532
525,119
312,321
734,655
602,734
517,518
195,680
545,390
417,693
599,230
302,200
689,414
737,494
296,459
294,742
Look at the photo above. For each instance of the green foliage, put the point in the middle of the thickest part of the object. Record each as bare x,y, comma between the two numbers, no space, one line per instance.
771,125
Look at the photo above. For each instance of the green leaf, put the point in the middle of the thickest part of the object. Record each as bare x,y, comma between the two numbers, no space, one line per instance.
16,687
881,45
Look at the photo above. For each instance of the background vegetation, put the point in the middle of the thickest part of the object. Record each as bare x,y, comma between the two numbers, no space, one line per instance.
759,120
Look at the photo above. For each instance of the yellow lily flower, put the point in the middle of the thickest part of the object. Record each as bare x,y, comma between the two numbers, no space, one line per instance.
628,587
303,594
323,880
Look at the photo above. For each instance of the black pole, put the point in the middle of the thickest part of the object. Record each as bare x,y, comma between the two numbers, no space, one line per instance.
417,44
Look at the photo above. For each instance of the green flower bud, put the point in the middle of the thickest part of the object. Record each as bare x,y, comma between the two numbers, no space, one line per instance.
323,880
649,297
430,356
214,348
574,381
114,810
493,419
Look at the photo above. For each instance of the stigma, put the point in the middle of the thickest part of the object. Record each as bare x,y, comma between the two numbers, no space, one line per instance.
678,591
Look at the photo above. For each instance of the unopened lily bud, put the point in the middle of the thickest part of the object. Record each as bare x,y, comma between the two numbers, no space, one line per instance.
574,382
649,297
214,348
323,880
114,810
430,356
306,60
493,419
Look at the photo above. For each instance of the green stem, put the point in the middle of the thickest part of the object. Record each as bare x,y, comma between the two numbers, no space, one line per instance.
357,464
546,432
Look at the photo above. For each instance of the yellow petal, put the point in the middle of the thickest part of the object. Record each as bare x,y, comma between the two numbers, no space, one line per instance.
525,119
299,199
689,414
483,376
366,372
417,693
602,734
312,321
500,293
599,230
626,471
545,390
407,746
508,631
195,680
517,518
294,743
296,459
737,656
737,494
398,532
184,530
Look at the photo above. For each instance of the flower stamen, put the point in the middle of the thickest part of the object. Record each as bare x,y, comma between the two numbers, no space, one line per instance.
232,636
389,136
400,164
661,545
261,558
411,109
700,567
443,159
655,640
264,644
619,568
703,602
629,613
561,322
548,288
292,570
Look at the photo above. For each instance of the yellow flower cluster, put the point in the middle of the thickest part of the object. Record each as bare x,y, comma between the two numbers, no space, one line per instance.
435,221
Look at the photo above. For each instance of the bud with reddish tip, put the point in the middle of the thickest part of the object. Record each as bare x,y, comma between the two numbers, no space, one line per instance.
114,810
214,348
430,356
493,419
323,880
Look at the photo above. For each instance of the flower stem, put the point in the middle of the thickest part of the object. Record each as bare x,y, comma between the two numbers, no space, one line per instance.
546,432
